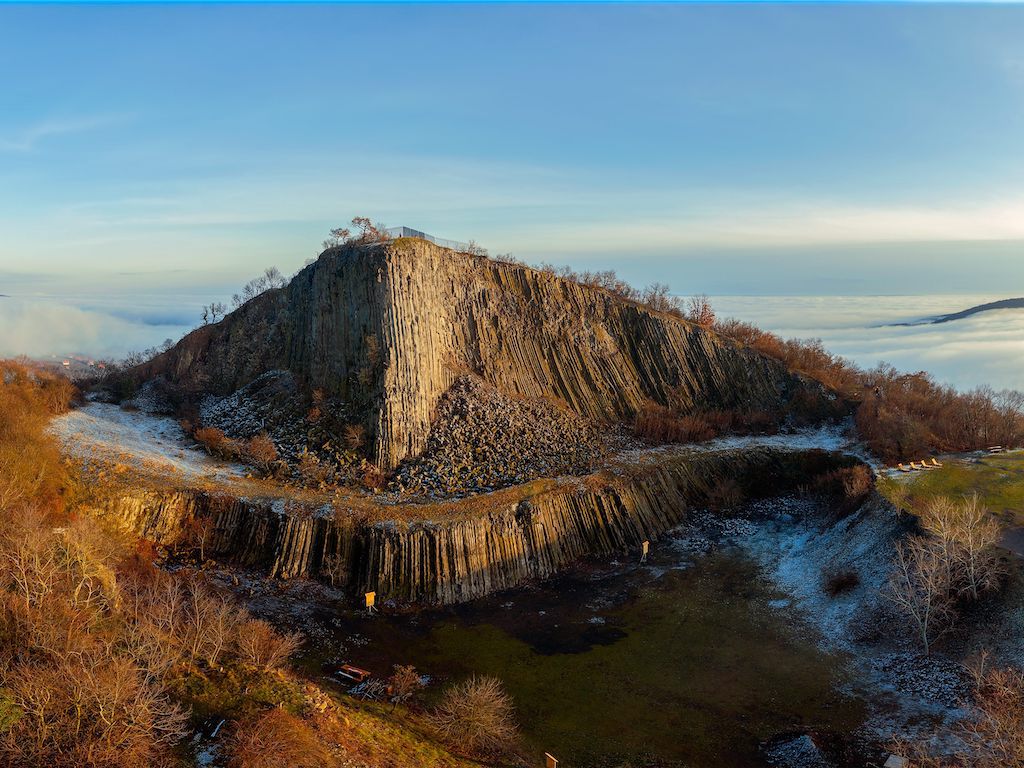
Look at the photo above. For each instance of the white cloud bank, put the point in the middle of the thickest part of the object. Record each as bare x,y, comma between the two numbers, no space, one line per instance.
42,327
984,349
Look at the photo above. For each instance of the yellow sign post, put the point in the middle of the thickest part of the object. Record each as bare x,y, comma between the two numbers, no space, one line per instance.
371,600
645,547
550,761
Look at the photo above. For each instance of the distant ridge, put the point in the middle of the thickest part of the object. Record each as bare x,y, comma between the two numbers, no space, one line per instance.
992,305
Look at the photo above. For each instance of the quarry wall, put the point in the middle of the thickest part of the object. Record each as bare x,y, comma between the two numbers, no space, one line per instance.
465,551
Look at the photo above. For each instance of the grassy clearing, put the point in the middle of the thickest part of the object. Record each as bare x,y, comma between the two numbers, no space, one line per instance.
998,480
694,668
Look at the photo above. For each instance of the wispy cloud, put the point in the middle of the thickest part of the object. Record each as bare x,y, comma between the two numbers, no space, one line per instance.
29,138
797,223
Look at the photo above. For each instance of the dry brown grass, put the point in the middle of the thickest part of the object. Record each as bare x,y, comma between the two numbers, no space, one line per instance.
31,469
275,739
659,424
724,495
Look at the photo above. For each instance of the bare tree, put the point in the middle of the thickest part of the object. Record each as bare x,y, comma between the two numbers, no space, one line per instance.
920,589
212,313
977,535
700,311
967,535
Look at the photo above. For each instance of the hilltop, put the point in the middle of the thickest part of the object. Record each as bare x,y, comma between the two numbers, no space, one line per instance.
386,343
988,307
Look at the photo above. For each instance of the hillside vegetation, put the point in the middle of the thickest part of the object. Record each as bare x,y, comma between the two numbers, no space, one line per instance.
107,660
901,416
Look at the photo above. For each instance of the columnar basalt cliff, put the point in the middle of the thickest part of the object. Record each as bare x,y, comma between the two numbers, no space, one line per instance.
457,551
389,327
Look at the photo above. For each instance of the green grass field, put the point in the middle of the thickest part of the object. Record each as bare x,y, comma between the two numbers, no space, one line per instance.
998,480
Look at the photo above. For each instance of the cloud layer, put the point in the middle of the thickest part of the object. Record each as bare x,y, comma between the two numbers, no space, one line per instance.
985,349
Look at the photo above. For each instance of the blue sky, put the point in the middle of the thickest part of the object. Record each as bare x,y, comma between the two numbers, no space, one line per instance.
726,149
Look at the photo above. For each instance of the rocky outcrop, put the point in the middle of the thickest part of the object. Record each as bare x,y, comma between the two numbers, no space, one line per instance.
457,551
388,328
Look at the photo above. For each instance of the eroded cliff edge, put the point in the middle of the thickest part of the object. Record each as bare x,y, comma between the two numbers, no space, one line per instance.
389,327
456,551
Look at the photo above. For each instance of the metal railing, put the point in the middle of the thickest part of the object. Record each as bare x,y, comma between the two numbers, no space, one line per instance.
455,245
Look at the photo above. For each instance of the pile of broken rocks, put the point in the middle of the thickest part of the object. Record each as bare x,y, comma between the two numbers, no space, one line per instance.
483,440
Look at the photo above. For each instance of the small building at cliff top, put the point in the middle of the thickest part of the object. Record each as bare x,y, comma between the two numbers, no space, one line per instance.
455,245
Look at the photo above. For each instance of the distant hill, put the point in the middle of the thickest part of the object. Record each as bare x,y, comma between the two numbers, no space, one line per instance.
992,305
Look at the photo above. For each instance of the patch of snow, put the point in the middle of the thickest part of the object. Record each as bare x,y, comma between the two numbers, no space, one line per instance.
109,435
830,437
909,693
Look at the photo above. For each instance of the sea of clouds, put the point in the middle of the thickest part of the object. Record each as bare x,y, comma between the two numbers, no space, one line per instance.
987,348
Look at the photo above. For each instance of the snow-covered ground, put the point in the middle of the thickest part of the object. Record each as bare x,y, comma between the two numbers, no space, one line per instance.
109,435
909,694
830,437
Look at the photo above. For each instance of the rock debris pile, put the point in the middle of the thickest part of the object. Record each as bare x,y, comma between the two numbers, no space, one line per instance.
273,403
483,440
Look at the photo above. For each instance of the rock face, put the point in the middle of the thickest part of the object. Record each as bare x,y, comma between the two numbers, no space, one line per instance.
449,553
388,328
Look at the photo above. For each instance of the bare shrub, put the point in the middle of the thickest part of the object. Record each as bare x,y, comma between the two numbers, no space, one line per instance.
89,711
477,716
996,736
836,581
31,469
474,249
260,645
312,471
354,436
724,495
993,737
261,452
404,683
849,483
216,443
275,739
658,296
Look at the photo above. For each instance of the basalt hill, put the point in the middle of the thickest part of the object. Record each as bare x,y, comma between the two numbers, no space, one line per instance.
494,397
385,330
